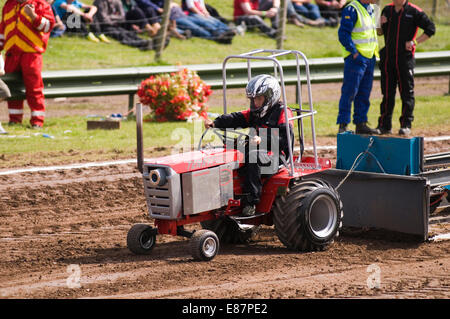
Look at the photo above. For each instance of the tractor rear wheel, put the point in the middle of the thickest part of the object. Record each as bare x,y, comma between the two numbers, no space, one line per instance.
309,216
228,231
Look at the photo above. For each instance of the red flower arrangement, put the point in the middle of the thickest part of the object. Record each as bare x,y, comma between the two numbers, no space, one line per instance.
178,96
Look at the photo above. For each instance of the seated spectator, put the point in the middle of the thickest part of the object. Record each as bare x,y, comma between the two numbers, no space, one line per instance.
197,11
58,28
110,18
331,8
152,10
299,20
136,19
77,18
253,12
185,23
311,11
214,13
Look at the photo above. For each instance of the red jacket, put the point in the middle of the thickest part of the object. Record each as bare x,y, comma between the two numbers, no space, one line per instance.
19,33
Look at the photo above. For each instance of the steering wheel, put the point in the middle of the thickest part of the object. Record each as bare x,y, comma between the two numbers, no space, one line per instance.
239,141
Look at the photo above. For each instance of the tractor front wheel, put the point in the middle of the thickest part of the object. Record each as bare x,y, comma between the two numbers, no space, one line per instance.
204,245
141,239
309,216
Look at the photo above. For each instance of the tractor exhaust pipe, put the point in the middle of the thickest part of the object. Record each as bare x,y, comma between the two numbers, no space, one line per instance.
139,138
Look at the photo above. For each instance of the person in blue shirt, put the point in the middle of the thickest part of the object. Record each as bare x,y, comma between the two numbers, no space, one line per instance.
358,70
78,18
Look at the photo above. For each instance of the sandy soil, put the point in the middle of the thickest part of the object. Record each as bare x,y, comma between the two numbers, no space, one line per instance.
63,235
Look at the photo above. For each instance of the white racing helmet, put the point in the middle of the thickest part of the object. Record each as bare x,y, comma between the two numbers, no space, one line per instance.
267,86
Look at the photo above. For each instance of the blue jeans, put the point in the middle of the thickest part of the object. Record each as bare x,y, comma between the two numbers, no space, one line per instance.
213,25
57,32
356,87
308,10
197,31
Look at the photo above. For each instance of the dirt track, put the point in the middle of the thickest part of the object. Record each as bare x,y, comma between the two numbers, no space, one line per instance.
58,227
74,222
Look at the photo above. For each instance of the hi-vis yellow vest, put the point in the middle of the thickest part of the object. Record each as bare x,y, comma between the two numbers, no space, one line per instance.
364,33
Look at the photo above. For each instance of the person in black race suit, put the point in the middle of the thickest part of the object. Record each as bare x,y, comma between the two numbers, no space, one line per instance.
400,22
267,117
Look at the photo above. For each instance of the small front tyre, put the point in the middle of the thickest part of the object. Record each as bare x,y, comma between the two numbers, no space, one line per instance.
141,239
204,245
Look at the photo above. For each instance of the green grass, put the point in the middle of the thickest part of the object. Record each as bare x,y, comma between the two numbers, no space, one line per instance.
78,53
73,143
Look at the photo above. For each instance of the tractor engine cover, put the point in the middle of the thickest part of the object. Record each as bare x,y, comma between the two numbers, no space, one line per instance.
207,189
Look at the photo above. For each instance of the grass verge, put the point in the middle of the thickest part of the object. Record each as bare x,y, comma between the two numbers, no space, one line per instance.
66,139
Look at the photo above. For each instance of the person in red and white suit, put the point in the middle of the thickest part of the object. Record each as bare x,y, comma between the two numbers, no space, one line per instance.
24,31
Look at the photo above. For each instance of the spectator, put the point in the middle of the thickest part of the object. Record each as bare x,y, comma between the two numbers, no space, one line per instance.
174,30
110,18
152,10
59,28
400,22
184,23
331,8
78,17
32,24
214,13
136,19
299,20
197,11
359,41
253,12
311,11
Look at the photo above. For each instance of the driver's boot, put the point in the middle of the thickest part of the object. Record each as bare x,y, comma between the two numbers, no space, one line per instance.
249,210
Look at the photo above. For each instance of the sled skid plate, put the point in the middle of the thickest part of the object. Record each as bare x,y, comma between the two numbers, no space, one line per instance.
386,201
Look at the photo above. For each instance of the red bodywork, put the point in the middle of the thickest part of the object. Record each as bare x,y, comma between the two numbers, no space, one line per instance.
272,186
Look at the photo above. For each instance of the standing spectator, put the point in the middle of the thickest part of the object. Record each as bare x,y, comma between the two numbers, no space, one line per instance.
400,22
110,18
358,37
197,11
331,8
253,12
24,32
77,17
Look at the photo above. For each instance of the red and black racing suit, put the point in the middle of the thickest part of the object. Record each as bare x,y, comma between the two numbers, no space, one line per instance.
275,118
397,64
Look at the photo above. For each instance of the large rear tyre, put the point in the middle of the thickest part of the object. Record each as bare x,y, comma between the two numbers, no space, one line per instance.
309,216
228,231
204,245
141,239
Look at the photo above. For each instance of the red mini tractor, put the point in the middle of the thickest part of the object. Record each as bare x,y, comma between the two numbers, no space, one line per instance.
204,186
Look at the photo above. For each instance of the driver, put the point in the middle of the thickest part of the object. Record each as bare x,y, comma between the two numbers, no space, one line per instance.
266,112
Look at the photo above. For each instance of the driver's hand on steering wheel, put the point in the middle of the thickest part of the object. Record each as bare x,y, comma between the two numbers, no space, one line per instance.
256,140
209,123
